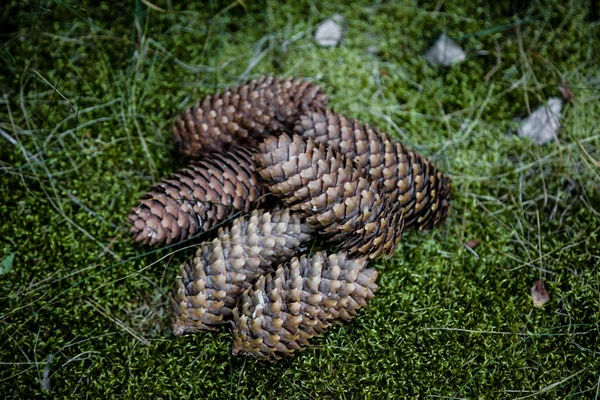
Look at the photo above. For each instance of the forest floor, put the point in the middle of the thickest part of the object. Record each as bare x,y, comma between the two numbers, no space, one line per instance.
89,96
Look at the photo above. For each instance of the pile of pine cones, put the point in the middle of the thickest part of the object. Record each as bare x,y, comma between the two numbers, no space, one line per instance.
297,176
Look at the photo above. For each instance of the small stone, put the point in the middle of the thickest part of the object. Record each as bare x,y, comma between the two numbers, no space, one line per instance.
372,50
539,294
445,52
329,32
543,123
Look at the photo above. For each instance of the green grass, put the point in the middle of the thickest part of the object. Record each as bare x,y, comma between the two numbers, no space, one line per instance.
89,95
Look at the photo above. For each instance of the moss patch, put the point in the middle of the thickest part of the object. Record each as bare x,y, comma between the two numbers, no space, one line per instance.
89,95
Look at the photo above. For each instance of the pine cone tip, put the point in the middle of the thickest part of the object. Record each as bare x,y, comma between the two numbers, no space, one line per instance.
144,228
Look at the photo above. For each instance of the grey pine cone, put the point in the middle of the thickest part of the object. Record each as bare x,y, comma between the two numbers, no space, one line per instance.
282,311
209,286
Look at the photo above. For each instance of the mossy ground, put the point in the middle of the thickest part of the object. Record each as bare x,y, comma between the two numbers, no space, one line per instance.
90,92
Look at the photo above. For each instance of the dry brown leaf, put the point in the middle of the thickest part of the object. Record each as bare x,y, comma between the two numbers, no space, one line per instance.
566,91
472,243
539,294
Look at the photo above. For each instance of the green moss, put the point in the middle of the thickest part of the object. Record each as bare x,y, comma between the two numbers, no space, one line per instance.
90,95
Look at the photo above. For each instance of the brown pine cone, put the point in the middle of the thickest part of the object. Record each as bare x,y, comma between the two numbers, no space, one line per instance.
246,112
327,189
196,198
283,310
209,286
420,190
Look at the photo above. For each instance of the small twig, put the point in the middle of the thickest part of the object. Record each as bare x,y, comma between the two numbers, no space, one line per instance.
525,62
496,67
117,321
76,200
470,250
8,137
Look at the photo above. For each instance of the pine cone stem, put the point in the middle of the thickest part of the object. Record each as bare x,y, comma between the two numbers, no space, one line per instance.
209,286
198,197
245,113
282,311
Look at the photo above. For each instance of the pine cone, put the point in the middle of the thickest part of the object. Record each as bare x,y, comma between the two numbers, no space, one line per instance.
196,198
421,191
283,310
243,113
208,287
327,189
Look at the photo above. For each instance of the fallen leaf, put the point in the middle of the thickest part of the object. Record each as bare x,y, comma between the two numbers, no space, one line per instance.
566,91
472,243
539,294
